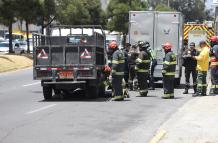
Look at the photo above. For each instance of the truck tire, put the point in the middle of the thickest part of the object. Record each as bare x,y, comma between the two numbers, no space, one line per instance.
47,92
92,92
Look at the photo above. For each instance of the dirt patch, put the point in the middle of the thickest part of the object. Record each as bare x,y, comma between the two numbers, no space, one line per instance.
14,62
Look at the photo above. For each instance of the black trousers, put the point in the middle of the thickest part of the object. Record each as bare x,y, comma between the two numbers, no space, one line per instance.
188,73
117,85
126,78
214,80
143,83
132,74
151,79
168,86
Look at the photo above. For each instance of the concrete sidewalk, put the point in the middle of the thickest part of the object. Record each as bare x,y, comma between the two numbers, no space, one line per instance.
195,122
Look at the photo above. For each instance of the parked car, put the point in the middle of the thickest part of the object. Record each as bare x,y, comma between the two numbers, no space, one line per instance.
18,48
4,47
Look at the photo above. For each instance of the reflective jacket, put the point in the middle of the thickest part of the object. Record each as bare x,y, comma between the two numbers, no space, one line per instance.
118,60
143,62
214,57
169,64
203,60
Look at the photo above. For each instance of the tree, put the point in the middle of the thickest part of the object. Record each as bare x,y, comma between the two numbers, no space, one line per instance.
8,17
118,14
28,11
72,12
163,7
46,13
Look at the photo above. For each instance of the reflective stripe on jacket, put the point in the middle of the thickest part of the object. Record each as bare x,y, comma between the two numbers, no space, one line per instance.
169,64
118,63
143,62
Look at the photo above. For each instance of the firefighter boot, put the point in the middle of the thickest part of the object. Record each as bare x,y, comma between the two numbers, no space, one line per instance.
118,98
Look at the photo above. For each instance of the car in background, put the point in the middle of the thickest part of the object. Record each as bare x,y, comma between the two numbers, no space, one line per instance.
18,47
4,47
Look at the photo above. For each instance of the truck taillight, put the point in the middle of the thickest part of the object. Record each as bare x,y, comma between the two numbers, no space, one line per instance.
54,69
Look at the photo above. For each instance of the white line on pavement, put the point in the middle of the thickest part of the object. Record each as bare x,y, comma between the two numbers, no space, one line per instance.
31,84
40,109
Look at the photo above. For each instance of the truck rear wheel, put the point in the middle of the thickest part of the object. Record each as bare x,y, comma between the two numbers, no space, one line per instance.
92,92
47,92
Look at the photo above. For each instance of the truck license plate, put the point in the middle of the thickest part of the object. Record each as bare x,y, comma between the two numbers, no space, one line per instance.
66,74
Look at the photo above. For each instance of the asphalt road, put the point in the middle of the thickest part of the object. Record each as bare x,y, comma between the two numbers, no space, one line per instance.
26,118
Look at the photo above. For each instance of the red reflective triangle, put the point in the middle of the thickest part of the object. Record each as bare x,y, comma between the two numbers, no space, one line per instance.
42,55
85,54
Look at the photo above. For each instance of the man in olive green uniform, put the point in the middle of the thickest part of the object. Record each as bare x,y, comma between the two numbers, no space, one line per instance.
142,68
169,68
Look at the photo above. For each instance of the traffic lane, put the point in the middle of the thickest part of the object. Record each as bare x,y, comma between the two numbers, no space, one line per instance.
94,120
16,79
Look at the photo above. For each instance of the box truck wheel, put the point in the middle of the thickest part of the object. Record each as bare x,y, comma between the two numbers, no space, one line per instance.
47,92
92,92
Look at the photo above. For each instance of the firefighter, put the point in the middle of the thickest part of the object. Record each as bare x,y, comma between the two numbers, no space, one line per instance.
133,54
202,68
214,65
126,70
118,61
142,67
190,65
169,68
153,65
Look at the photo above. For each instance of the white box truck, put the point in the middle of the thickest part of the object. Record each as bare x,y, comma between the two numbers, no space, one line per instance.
158,28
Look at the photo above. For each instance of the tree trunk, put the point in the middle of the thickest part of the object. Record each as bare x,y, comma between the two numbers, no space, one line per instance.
10,38
27,35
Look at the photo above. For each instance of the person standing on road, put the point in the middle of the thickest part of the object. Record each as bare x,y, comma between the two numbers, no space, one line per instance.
190,65
118,60
214,65
126,70
142,67
169,68
202,68
133,54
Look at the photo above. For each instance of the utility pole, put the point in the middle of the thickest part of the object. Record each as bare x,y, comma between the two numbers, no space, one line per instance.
168,3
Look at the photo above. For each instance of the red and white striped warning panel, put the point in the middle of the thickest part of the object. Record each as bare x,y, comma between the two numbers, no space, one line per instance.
42,55
85,55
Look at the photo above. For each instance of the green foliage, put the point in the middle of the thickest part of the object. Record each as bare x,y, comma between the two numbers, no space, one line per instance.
8,17
74,12
118,13
191,9
163,7
7,11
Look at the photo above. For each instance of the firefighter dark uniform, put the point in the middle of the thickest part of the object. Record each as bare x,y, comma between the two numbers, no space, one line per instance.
118,61
126,69
169,68
202,68
214,65
142,68
132,56
190,65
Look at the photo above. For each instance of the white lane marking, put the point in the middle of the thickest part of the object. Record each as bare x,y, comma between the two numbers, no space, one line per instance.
31,84
40,109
